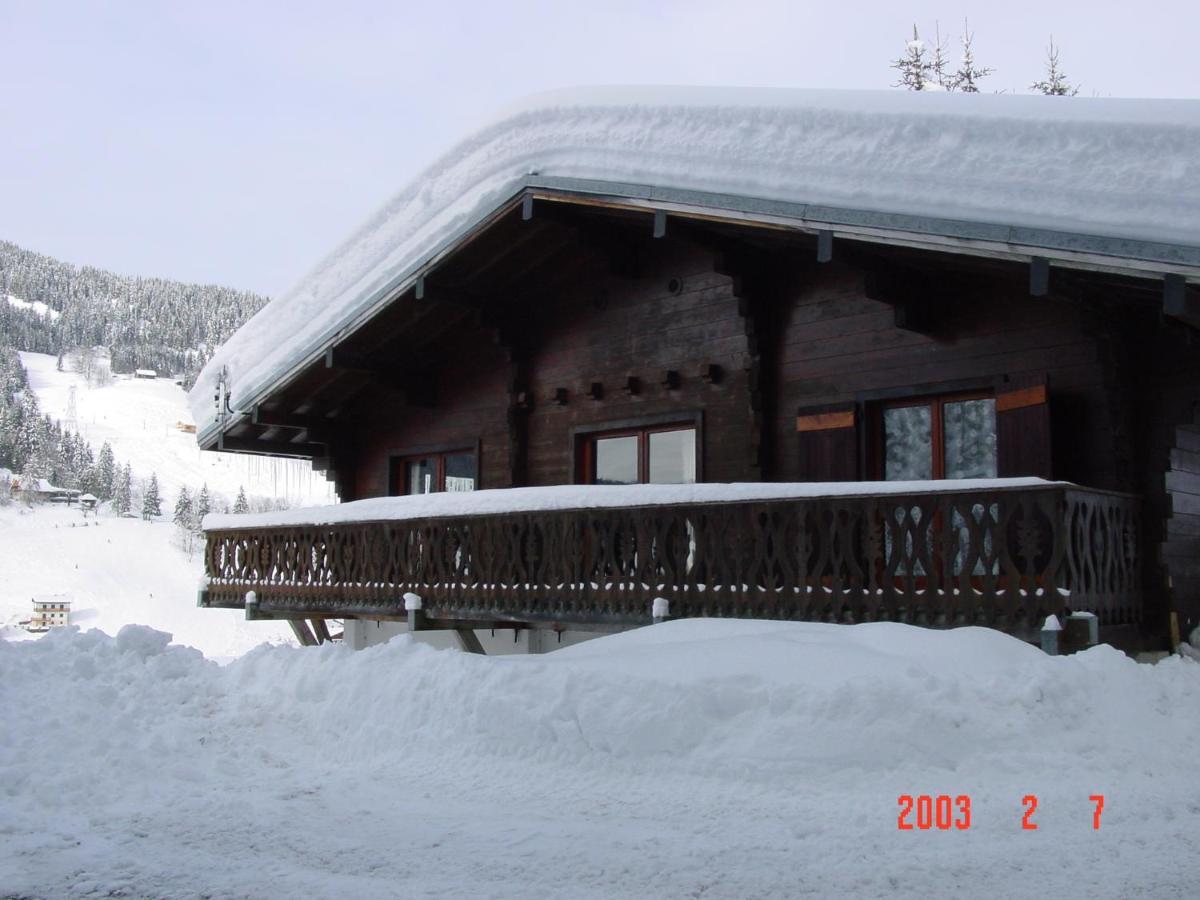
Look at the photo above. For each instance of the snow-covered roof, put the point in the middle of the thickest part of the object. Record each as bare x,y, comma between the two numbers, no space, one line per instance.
1021,171
592,496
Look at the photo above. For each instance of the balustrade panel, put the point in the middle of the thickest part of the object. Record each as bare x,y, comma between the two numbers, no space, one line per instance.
1005,557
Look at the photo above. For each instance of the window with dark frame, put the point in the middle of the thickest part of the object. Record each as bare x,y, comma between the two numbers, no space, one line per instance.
950,436
659,454
430,473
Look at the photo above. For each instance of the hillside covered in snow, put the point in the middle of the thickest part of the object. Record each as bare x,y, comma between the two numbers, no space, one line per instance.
703,758
115,572
147,421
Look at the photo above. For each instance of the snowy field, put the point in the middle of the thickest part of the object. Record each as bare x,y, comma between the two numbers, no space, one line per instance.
693,759
140,418
115,572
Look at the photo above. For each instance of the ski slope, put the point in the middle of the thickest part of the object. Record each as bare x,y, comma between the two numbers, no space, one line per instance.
694,759
142,419
115,572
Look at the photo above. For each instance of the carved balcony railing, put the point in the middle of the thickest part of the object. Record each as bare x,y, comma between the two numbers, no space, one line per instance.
1000,556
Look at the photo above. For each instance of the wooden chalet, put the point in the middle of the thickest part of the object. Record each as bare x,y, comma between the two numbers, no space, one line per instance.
591,332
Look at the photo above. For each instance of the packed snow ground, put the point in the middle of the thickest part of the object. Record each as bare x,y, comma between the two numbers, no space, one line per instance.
698,758
140,418
115,572
1100,166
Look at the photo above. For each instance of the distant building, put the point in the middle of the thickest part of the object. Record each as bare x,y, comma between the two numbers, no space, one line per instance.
88,501
144,373
53,611
43,491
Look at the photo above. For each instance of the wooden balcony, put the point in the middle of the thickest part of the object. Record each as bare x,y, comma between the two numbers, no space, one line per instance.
998,555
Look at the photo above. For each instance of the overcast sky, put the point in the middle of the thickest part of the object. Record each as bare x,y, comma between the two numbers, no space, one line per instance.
238,142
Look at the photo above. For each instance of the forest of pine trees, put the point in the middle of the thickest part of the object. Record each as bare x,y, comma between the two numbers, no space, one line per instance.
33,445
148,323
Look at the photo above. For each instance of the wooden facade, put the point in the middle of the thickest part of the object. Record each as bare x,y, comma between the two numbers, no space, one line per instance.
564,320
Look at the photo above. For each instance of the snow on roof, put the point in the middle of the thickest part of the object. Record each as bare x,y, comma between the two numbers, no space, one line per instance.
574,496
1120,168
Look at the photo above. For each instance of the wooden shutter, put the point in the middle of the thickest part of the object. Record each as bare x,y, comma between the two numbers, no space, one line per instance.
1023,429
828,437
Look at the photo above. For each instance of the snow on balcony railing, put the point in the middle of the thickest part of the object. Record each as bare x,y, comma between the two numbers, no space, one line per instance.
564,497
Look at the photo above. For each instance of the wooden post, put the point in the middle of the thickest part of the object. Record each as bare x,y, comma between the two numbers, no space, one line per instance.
468,640
660,610
1051,631
303,635
416,614
321,630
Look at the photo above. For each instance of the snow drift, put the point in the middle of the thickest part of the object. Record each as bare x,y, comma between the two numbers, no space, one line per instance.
757,758
1123,168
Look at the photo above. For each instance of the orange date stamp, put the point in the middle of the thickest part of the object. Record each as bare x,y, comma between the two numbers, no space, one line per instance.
925,812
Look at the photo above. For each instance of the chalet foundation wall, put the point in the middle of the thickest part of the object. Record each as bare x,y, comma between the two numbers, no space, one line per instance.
363,633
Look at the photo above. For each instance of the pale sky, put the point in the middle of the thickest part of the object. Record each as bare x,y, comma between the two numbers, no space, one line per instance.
239,142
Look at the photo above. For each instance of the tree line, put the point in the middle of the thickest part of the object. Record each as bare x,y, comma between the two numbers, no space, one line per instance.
146,323
35,446
928,67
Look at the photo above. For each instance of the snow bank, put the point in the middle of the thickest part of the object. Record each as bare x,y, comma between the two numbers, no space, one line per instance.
757,758
1125,168
559,497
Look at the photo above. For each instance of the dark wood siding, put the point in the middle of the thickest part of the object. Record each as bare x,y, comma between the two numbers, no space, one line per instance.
839,346
470,407
606,330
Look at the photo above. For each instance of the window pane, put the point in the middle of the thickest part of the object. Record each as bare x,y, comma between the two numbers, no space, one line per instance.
673,457
421,477
908,443
460,472
617,460
970,427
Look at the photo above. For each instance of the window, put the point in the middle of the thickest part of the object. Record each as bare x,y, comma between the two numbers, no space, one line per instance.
428,473
655,455
939,437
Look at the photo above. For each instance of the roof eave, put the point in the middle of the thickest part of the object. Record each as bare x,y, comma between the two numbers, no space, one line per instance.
1137,258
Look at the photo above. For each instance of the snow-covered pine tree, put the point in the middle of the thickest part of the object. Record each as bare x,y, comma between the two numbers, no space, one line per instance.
241,505
969,73
151,502
1055,83
183,509
123,497
915,69
106,466
939,65
203,506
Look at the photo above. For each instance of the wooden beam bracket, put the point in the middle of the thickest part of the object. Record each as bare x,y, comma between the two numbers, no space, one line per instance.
1039,276
824,246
